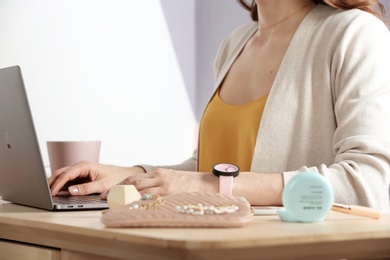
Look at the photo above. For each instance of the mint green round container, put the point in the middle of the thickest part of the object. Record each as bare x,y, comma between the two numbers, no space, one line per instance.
307,197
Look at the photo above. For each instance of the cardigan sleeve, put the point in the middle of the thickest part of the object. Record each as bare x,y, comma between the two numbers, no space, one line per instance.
360,79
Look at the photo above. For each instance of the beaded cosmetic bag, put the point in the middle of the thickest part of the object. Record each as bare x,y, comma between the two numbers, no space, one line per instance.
184,209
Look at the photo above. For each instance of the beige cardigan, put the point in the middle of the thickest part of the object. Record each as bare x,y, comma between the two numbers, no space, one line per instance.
329,108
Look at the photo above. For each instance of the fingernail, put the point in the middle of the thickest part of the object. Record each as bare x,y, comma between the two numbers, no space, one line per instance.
73,190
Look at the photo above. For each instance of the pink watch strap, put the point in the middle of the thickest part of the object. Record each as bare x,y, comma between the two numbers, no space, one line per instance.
225,185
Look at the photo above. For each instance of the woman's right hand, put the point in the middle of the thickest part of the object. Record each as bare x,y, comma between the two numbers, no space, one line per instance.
87,178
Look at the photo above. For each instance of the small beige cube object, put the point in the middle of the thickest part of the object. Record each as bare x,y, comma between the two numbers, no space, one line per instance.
120,195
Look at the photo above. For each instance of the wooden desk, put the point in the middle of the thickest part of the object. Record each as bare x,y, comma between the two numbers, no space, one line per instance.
80,235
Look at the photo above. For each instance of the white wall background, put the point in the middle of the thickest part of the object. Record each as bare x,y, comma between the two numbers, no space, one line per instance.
101,70
124,72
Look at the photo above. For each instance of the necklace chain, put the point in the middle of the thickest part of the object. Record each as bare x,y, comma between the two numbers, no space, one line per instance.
285,19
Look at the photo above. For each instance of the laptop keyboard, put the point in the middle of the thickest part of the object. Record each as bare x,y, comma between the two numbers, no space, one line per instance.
69,200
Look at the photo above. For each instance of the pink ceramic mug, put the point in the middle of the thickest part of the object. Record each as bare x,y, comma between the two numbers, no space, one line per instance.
66,153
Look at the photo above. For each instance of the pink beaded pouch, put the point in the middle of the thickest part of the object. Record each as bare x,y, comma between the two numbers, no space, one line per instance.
184,209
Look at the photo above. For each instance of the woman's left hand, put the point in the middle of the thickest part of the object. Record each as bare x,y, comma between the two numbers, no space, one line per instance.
166,181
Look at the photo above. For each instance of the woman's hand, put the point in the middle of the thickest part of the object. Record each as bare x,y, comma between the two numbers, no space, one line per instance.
88,178
164,182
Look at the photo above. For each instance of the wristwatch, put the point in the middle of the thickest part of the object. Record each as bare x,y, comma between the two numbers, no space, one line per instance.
226,172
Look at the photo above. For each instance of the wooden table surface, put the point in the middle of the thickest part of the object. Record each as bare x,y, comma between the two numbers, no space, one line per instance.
266,237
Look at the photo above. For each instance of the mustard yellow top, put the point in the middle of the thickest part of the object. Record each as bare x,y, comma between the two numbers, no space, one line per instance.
228,133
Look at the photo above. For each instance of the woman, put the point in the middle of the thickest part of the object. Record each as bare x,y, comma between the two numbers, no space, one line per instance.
322,73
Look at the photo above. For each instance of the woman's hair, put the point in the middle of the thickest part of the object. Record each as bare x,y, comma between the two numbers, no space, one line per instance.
372,6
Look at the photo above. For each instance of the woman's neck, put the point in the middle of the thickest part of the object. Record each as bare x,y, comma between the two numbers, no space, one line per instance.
273,14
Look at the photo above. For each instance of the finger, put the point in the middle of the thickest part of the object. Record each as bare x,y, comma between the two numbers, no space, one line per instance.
55,175
86,188
60,181
63,193
131,179
66,175
104,195
154,191
140,180
146,183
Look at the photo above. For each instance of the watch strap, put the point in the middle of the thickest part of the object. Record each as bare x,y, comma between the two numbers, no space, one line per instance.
225,185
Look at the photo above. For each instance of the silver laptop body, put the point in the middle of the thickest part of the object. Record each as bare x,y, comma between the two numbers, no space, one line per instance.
22,172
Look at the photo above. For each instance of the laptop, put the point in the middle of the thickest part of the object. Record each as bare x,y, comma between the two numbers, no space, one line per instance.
22,172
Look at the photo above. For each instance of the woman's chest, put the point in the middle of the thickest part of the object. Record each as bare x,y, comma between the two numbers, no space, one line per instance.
253,72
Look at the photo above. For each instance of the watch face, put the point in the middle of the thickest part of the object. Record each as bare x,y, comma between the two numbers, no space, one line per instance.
226,169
